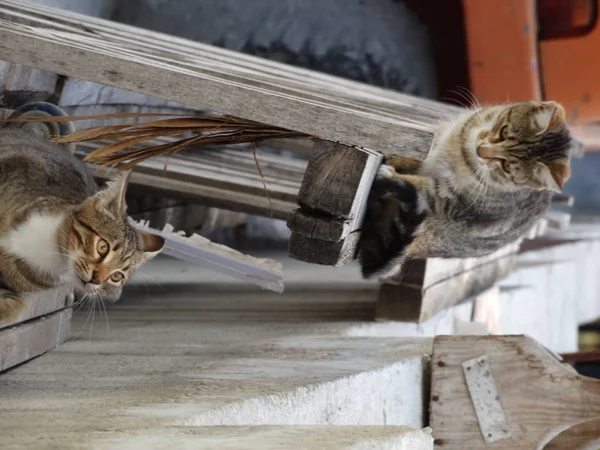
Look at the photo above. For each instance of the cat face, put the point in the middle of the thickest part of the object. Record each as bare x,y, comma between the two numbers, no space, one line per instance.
525,145
106,249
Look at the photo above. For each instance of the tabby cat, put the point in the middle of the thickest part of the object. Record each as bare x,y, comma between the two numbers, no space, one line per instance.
488,178
57,229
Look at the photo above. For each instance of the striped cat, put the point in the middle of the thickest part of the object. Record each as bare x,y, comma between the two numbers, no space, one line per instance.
57,229
488,178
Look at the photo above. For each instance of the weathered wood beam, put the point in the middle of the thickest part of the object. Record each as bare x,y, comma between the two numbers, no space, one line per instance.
332,202
424,288
202,76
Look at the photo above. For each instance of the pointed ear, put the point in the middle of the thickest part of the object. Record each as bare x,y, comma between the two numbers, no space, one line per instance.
150,243
112,197
553,175
549,116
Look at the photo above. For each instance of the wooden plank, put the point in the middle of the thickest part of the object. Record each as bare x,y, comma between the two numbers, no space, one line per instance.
332,201
540,396
205,77
43,303
425,288
26,341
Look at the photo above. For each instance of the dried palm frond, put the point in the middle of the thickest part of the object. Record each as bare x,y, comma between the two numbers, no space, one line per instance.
197,131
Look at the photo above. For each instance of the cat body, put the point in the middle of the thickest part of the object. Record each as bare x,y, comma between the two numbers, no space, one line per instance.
486,181
57,228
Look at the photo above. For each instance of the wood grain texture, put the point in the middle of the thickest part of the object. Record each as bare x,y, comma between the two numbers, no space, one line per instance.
43,303
584,436
332,201
540,395
428,287
28,340
227,179
207,77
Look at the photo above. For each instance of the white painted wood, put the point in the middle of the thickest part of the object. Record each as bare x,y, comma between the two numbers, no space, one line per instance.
486,400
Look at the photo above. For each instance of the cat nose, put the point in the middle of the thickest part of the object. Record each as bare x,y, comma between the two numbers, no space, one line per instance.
95,279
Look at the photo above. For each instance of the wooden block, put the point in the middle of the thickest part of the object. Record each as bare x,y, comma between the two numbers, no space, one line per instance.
428,287
537,396
332,201
322,252
28,340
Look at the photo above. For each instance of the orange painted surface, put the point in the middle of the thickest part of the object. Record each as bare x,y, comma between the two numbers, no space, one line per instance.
570,70
502,50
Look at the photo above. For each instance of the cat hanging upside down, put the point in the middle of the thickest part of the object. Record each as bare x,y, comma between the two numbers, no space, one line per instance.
486,181
57,229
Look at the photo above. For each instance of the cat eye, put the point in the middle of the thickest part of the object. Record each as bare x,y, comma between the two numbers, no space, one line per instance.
102,247
505,165
503,135
117,276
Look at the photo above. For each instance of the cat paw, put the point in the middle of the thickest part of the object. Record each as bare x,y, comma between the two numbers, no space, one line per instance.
385,172
12,307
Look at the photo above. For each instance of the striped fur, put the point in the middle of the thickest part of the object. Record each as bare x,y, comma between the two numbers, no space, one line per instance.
53,222
486,181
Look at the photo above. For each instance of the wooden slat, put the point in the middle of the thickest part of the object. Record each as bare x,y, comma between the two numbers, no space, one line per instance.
539,396
28,340
228,179
206,77
43,303
430,286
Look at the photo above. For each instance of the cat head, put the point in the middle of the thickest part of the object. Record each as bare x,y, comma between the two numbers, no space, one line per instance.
525,145
105,247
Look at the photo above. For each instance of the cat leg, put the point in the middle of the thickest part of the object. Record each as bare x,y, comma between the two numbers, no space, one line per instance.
402,164
395,211
12,307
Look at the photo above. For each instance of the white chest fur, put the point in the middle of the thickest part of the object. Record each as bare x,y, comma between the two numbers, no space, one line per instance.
34,241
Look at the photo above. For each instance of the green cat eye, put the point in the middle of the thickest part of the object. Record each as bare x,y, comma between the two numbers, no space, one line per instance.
117,276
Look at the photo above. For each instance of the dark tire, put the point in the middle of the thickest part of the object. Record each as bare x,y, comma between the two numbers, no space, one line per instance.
379,42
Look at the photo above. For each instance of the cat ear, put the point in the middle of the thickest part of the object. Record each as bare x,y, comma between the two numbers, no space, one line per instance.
549,115
553,175
113,196
150,243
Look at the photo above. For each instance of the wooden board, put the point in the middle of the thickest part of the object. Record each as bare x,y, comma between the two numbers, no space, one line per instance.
28,340
43,303
539,397
430,286
228,179
332,201
207,77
